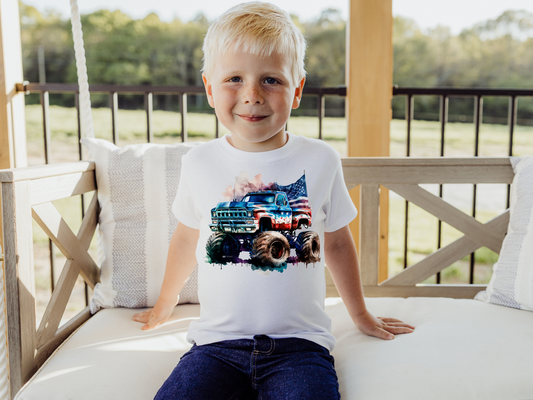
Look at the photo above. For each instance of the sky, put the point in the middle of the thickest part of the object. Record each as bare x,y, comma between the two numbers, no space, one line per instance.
456,14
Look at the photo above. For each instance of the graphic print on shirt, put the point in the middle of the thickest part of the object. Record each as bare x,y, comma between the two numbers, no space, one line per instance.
263,226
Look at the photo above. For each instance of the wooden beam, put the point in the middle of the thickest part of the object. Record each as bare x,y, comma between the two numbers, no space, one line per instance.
61,295
12,134
20,282
453,291
414,171
50,220
445,212
62,334
63,186
369,95
369,241
45,171
445,256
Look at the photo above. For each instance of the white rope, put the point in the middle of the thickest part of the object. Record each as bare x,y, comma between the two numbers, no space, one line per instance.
85,99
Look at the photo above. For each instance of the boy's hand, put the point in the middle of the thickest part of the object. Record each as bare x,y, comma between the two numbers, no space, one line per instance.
383,328
154,317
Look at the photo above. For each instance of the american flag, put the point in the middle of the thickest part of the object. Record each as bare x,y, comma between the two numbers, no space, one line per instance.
296,193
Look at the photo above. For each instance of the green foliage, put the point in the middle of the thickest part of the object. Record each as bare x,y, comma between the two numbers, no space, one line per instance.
497,53
326,47
119,49
122,50
52,34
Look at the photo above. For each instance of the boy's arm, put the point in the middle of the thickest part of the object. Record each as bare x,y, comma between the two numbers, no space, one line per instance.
341,260
181,261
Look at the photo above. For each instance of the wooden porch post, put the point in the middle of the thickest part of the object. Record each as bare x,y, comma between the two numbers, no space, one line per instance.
369,94
12,120
12,123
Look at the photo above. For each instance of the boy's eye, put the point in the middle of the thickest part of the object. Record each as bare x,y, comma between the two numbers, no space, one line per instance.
235,79
270,81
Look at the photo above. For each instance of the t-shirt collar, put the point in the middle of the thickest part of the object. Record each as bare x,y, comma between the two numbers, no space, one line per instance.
259,157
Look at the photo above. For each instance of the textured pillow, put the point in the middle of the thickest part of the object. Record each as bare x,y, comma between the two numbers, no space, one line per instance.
511,284
136,188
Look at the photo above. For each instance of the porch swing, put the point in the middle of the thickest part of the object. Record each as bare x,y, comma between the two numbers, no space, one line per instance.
461,349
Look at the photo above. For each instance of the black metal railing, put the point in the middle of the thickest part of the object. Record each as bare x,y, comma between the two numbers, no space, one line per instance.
444,94
149,91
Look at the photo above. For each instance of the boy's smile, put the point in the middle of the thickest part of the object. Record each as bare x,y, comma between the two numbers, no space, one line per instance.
253,97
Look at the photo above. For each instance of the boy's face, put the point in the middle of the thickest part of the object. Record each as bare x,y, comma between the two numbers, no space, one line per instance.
253,97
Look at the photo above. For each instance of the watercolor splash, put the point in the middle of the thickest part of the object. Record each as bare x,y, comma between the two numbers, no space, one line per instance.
244,185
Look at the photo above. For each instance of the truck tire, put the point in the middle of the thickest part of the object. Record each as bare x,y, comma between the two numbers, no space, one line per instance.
222,248
308,247
271,249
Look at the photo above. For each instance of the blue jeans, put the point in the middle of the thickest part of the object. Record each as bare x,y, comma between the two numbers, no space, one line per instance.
262,368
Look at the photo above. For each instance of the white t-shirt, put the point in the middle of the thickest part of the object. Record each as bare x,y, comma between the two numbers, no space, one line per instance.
262,218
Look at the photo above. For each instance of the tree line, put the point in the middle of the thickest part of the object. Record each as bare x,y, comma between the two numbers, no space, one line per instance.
123,50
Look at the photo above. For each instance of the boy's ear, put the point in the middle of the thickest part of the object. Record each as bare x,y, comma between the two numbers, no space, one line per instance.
208,91
298,94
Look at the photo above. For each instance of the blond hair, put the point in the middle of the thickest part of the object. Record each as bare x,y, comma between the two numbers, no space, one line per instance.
255,28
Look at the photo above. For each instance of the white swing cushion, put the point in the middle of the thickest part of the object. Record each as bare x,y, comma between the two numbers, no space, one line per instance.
461,349
511,284
136,188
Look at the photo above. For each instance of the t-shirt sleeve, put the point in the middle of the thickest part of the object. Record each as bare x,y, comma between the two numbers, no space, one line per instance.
184,206
339,210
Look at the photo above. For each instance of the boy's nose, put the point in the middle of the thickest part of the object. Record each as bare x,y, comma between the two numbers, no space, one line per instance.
252,95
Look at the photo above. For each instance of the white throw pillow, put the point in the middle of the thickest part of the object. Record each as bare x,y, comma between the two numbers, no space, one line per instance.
136,188
511,284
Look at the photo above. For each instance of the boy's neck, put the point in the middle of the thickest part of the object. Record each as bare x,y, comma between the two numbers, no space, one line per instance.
276,142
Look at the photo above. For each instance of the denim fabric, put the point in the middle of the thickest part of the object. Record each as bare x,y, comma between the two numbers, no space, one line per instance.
262,368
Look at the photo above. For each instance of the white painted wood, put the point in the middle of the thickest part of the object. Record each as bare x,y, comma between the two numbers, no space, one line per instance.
445,256
63,290
11,283
56,307
449,214
45,171
66,241
12,154
369,238
12,119
429,170
464,162
20,282
452,291
430,174
45,190
20,185
62,334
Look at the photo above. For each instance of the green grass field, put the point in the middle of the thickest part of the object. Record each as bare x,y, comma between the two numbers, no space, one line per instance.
425,142
425,135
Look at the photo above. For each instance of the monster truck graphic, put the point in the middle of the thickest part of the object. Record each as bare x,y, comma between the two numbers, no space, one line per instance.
266,225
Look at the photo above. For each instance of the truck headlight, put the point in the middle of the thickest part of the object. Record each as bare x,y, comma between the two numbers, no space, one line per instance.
250,214
213,213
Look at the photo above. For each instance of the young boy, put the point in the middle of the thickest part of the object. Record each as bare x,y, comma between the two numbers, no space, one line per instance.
259,210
